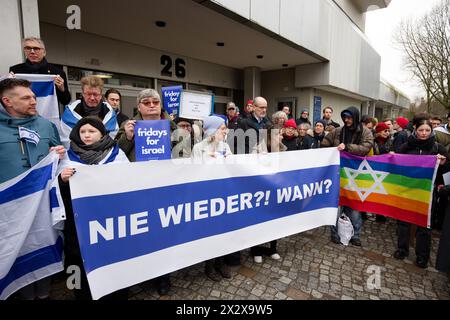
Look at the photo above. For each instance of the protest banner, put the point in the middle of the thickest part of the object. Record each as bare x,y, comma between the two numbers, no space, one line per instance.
142,220
152,139
196,105
30,246
395,185
171,99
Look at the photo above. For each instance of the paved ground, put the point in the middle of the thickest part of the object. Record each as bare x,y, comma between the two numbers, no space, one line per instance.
311,268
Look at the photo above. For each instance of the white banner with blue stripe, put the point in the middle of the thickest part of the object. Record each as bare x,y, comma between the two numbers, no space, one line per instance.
30,245
138,221
43,87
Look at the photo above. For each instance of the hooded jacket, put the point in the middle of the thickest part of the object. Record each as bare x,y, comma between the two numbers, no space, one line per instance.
357,139
18,155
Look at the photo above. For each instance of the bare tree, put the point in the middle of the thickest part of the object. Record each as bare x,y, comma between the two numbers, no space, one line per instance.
426,44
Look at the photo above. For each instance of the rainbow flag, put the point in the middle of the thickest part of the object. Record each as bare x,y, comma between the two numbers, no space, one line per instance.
394,185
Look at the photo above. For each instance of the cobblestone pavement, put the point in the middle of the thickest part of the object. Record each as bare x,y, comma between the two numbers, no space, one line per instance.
311,268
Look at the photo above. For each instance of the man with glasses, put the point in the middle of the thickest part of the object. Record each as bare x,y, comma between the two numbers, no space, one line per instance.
35,63
90,104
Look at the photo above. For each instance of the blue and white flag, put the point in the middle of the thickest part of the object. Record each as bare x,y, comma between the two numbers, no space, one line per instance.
31,210
167,215
43,87
29,135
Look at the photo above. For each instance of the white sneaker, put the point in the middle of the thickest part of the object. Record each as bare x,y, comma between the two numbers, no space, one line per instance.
257,259
275,256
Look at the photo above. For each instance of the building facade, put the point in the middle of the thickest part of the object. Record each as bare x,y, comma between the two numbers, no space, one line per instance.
303,53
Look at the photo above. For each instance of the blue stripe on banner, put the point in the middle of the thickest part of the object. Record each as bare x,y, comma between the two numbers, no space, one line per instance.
42,89
35,181
33,261
104,207
412,172
54,203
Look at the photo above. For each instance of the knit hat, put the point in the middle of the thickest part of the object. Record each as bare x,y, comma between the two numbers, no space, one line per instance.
323,122
211,124
290,124
249,102
93,121
305,110
381,127
402,122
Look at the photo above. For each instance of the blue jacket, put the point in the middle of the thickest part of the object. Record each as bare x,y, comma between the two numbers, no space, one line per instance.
16,159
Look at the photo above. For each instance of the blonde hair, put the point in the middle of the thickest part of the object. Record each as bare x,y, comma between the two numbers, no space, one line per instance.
38,40
92,81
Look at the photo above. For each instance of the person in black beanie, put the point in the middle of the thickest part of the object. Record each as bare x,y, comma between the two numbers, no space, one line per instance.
90,144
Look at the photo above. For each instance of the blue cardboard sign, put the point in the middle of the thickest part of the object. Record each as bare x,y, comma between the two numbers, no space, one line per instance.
171,99
317,109
152,140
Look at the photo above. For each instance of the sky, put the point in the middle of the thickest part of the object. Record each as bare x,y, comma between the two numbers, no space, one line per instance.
380,27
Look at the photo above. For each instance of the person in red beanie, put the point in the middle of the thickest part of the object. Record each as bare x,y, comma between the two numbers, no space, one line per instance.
382,145
401,133
248,109
290,135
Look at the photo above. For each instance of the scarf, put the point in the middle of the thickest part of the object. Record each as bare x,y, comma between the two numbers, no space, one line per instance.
38,68
415,143
94,153
89,111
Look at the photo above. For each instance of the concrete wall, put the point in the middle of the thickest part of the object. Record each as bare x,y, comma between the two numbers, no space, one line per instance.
277,85
324,29
353,12
78,49
338,102
18,19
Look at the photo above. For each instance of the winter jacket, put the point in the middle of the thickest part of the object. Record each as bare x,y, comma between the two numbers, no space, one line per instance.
45,68
357,139
18,155
255,143
129,147
443,136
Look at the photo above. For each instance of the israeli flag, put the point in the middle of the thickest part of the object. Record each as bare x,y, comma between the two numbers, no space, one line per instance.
29,135
31,212
43,87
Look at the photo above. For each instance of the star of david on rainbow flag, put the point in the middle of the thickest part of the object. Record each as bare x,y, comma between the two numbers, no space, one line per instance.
394,185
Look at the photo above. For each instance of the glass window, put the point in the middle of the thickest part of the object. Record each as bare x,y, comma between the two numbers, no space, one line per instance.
113,79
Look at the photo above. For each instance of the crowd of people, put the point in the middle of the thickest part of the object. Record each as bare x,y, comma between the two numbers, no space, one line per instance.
94,131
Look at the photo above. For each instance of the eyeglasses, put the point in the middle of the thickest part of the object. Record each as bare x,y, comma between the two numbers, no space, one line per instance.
94,95
231,109
150,102
35,49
